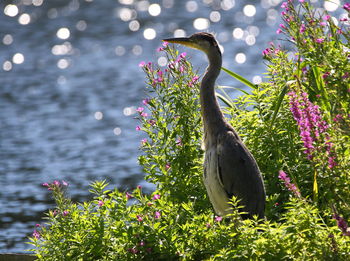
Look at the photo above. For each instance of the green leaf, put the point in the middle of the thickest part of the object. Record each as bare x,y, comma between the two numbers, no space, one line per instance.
239,78
277,104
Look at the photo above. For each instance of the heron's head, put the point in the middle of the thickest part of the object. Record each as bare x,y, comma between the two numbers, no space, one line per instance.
202,41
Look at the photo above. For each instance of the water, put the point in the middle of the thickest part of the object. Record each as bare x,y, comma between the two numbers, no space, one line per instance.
70,83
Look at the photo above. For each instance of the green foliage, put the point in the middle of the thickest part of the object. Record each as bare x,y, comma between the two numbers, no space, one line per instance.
295,124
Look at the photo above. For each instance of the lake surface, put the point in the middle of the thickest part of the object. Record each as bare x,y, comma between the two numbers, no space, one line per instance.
70,83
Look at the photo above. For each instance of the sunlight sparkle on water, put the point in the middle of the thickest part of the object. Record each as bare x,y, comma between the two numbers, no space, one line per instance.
137,49
134,25
37,2
149,33
63,33
98,115
11,10
201,23
7,66
215,16
257,79
24,19
331,6
117,131
154,9
81,25
7,39
249,10
191,6
162,61
18,58
127,111
179,33
63,64
227,4
250,40
119,50
238,33
240,58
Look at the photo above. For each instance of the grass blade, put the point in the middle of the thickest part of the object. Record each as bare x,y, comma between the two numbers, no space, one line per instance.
239,78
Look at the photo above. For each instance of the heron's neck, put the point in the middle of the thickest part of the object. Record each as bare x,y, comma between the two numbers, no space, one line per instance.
213,118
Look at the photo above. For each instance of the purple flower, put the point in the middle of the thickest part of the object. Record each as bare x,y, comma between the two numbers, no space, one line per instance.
157,215
342,225
319,40
36,234
346,6
65,213
152,122
290,186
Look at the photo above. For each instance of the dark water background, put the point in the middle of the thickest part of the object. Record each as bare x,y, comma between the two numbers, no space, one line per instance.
67,102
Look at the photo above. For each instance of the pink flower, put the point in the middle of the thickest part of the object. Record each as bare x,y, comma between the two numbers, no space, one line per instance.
65,213
156,197
218,219
139,218
165,44
128,195
208,225
346,6
100,203
45,184
56,183
139,187
142,64
283,26
302,28
290,186
301,1
143,141
167,166
319,40
145,101
183,55
64,183
157,215
326,17
138,128
144,114
279,30
140,109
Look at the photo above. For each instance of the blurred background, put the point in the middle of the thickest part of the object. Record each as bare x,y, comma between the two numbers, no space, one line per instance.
70,85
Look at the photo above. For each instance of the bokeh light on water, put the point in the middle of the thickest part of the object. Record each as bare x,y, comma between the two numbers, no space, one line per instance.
70,86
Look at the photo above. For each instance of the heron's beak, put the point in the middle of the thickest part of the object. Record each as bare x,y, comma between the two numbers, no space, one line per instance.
181,40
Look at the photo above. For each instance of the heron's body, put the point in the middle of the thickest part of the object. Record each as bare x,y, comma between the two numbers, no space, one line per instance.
229,167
